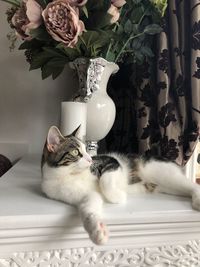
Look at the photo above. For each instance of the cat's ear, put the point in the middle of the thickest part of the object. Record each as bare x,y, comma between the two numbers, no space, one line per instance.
54,139
76,132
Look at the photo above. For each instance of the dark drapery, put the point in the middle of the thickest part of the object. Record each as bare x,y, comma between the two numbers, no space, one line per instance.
158,103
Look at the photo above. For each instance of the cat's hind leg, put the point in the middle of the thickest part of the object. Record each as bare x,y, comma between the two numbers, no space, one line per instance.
169,178
90,209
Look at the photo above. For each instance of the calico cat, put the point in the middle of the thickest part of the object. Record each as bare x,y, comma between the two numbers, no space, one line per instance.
71,175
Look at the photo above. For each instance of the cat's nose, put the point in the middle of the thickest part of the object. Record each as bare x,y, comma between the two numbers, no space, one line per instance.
87,157
90,159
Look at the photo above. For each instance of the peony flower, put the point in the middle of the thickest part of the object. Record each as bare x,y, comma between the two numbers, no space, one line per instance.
77,2
114,12
118,3
62,22
34,14
26,18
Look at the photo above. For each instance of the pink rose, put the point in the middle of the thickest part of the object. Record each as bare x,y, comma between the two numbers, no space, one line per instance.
118,3
62,22
26,18
114,12
77,2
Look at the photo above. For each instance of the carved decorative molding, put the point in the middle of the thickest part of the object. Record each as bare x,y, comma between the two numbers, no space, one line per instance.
187,255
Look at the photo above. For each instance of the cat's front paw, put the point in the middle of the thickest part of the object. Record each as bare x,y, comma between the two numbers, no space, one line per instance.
99,235
96,229
196,200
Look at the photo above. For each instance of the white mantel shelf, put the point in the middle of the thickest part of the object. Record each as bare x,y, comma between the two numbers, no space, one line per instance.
150,230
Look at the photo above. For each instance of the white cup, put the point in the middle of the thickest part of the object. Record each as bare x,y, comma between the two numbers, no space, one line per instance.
73,114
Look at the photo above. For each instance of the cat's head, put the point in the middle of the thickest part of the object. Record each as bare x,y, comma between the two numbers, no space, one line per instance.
68,150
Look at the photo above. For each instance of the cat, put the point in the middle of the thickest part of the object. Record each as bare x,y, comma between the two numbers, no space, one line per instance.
71,175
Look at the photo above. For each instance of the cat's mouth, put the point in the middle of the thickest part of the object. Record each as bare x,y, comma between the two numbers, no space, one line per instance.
88,158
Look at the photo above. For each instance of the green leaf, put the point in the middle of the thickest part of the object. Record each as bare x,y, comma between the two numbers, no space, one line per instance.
90,37
136,14
39,60
135,29
98,5
32,44
152,29
106,4
56,72
120,29
25,45
136,1
85,11
53,52
136,44
52,55
110,56
128,27
147,51
161,5
69,53
56,63
13,2
98,20
46,72
139,56
53,67
40,34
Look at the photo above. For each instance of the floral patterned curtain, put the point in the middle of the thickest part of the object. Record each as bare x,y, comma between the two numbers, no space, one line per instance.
165,94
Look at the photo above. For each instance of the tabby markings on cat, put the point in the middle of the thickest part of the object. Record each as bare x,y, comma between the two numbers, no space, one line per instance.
71,175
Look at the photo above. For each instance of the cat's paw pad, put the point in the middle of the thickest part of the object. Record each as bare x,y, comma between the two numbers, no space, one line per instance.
99,235
196,200
117,197
97,230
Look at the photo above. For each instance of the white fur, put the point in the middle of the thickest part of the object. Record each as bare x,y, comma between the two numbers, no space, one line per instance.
80,189
76,185
65,184
170,179
168,176
114,184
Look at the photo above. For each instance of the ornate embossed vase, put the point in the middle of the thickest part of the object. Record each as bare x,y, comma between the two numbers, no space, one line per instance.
93,77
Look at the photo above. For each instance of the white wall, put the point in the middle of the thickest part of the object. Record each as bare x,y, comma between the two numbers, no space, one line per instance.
28,105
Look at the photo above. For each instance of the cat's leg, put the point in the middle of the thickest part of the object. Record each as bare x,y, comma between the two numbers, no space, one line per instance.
90,209
113,185
89,206
137,188
169,178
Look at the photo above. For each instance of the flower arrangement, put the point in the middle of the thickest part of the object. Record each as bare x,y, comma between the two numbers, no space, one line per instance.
59,31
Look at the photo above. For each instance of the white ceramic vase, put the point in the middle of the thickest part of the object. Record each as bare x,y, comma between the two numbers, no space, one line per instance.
93,77
73,114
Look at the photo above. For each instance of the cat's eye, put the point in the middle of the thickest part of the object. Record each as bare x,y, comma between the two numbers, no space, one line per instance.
74,152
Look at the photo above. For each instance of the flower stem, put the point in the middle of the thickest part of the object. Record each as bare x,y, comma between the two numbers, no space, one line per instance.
83,42
131,38
141,19
110,45
114,30
126,43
